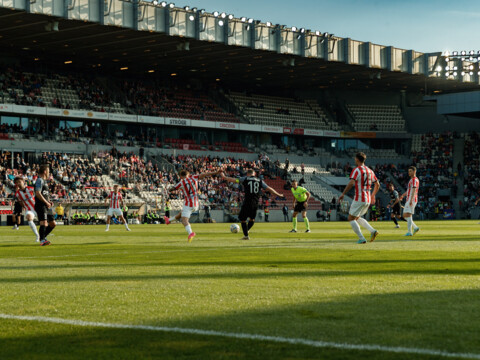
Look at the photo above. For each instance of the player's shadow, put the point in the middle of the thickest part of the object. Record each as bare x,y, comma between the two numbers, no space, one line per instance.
443,320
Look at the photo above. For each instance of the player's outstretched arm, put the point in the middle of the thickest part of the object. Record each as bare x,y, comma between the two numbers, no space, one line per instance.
271,190
350,185
208,174
229,179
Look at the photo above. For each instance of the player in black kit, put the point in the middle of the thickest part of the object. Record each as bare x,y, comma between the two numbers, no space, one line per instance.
43,205
395,205
17,214
251,186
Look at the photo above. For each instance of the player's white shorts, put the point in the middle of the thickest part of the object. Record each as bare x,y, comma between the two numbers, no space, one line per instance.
409,209
187,210
117,212
32,212
358,208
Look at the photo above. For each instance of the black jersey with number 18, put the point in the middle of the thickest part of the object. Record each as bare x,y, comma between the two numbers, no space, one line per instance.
252,187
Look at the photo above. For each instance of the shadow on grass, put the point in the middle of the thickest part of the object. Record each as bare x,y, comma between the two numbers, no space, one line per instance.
435,320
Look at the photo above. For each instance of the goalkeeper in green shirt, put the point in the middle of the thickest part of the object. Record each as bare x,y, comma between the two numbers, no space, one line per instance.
300,205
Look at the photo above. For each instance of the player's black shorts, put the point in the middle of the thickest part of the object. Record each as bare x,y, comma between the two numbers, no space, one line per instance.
299,207
43,212
17,209
248,210
396,209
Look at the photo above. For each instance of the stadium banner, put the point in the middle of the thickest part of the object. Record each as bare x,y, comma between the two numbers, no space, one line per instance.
248,127
202,123
22,109
6,107
272,129
177,122
143,119
287,130
298,131
330,133
122,117
97,115
357,135
312,132
224,125
54,111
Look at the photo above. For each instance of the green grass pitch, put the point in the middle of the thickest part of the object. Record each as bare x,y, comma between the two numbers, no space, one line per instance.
420,293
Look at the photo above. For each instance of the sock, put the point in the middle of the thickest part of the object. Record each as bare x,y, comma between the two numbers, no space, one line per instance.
403,219
126,225
395,220
361,221
294,221
48,230
307,224
108,226
244,228
172,219
250,224
410,225
41,232
15,226
356,229
414,226
189,229
33,227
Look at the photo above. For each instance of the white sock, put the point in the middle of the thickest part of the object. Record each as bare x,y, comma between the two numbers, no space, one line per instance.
410,225
108,226
189,229
126,225
171,219
33,227
362,222
414,226
356,229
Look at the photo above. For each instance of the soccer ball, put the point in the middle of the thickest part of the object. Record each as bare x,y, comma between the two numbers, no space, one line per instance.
234,228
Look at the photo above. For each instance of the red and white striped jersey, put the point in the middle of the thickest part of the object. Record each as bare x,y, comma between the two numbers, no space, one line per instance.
28,197
413,185
364,178
115,200
189,188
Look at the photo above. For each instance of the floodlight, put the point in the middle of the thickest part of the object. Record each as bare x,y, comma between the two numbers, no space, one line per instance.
230,17
269,24
446,53
464,52
194,9
455,53
447,59
447,68
455,68
471,52
463,73
243,19
250,21
294,28
439,68
470,73
202,11
223,15
155,2
216,13
302,30
186,8
318,33
172,5
163,3
191,18
220,23
455,73
471,67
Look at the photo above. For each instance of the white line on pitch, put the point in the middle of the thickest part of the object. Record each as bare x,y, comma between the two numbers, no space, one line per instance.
276,339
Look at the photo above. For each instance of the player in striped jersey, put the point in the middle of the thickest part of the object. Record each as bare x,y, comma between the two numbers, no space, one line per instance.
26,197
362,178
116,201
188,185
411,202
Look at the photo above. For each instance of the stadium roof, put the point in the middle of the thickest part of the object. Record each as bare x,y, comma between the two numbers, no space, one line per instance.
86,45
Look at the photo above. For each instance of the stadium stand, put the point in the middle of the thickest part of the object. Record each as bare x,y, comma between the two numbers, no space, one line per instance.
285,112
381,118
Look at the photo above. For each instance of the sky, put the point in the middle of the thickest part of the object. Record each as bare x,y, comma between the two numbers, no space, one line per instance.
420,25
